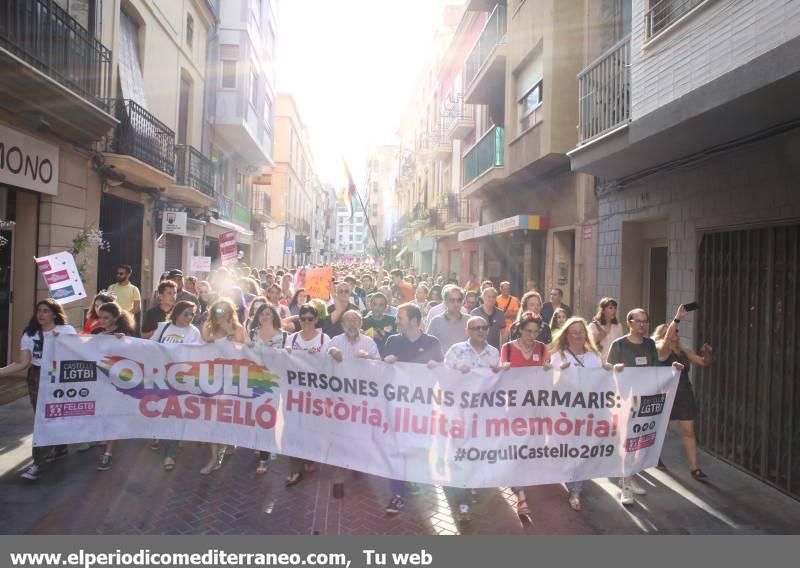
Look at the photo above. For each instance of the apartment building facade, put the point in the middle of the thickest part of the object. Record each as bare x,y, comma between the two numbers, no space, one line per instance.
537,218
130,106
688,120
352,233
292,186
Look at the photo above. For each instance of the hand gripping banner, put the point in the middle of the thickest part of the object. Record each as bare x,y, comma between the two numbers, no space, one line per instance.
402,421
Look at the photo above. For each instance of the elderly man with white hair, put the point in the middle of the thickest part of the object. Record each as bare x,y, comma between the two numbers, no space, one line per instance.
347,346
474,353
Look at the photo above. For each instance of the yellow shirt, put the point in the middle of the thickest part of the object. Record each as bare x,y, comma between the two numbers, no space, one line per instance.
126,295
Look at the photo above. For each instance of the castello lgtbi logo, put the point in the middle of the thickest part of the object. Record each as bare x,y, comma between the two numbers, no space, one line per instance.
196,390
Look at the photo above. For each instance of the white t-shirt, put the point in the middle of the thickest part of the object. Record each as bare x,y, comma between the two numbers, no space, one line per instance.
35,343
439,309
319,343
168,332
588,360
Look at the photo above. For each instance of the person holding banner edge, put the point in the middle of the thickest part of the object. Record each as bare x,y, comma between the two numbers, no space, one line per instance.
48,320
222,325
636,349
410,345
574,347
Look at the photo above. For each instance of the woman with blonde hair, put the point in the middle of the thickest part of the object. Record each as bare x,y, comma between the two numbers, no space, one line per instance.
222,325
605,328
574,347
684,409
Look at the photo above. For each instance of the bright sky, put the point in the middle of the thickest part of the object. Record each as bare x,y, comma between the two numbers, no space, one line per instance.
351,66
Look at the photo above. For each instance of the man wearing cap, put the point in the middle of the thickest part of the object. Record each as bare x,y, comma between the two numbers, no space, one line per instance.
183,295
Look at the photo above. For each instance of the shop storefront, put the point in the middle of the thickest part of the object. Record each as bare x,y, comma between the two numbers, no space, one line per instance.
511,249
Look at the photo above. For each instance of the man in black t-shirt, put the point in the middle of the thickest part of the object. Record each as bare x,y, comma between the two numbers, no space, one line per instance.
167,291
411,345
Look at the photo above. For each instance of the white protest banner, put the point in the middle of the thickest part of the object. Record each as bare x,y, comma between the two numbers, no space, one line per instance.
200,264
62,277
403,421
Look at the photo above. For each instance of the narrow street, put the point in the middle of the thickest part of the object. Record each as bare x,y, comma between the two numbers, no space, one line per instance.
138,497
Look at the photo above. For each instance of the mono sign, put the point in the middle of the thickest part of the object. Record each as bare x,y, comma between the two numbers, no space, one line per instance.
27,162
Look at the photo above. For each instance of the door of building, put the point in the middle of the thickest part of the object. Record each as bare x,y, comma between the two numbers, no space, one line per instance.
173,253
6,291
749,400
454,263
121,222
656,285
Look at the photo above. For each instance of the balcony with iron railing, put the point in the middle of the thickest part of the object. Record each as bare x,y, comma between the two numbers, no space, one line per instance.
419,216
484,70
440,146
458,213
604,93
458,117
483,163
262,205
54,66
141,147
194,177
664,13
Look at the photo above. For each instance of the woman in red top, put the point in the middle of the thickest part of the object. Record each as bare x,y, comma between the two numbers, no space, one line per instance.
526,351
92,321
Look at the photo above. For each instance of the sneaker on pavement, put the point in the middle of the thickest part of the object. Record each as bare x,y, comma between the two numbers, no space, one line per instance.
636,488
626,496
32,473
464,515
155,446
169,463
105,463
395,505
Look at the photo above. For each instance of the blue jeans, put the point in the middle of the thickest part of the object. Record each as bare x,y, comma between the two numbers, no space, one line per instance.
398,488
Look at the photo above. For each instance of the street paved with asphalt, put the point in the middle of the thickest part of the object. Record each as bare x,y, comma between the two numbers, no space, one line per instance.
138,497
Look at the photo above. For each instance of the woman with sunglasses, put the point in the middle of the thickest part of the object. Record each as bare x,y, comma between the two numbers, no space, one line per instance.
119,323
222,325
178,329
311,340
525,351
265,332
574,347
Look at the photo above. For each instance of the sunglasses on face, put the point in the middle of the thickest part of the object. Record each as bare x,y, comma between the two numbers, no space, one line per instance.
188,314
307,318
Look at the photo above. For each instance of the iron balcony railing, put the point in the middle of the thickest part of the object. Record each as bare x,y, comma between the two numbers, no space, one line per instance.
455,110
664,13
420,212
262,203
493,33
141,135
604,92
46,37
192,168
486,154
457,211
